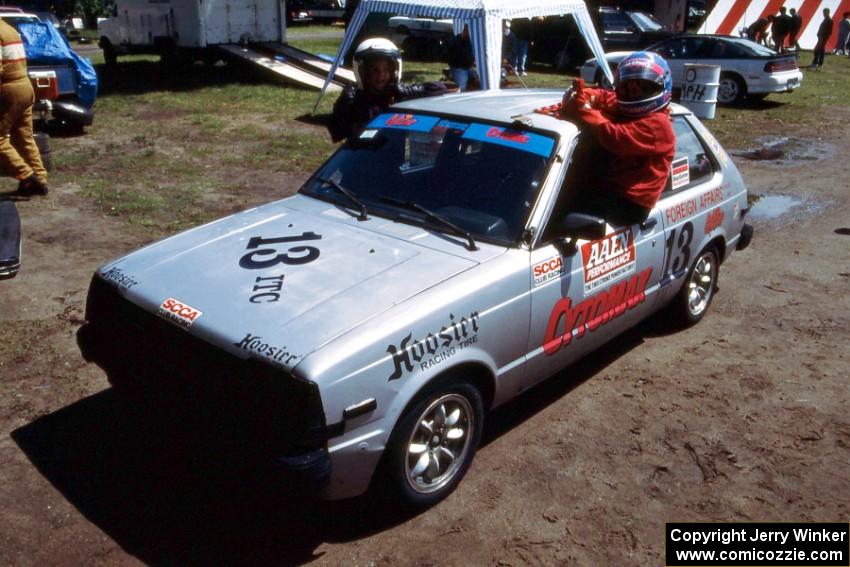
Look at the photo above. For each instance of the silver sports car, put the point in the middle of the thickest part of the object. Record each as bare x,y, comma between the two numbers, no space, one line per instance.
431,270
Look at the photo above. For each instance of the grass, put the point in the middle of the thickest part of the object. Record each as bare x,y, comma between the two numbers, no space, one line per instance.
170,150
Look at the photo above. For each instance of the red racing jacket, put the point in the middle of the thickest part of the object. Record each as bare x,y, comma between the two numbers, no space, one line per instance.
644,147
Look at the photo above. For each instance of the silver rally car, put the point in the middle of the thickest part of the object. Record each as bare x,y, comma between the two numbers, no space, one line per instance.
429,271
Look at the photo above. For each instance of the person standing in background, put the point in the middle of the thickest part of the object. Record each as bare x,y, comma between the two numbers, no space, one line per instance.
796,24
843,34
824,32
462,60
19,153
780,29
521,28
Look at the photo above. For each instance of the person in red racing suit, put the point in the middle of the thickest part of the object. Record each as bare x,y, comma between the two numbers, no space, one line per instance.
633,125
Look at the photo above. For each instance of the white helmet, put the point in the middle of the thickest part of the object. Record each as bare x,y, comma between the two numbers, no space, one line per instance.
376,48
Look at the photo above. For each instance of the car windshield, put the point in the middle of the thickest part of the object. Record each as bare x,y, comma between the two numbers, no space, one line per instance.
646,22
481,177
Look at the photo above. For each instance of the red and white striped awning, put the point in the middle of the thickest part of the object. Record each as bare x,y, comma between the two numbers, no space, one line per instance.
729,16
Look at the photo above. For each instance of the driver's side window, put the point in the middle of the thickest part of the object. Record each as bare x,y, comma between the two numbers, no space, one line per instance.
588,160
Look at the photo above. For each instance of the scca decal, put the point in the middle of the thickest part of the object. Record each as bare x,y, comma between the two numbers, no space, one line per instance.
178,312
593,312
434,349
547,270
608,259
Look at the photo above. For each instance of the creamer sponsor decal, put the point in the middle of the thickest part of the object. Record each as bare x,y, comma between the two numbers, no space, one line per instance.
608,259
178,312
547,270
593,312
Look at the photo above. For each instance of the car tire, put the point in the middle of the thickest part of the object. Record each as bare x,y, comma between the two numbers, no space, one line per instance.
433,444
692,302
110,57
732,89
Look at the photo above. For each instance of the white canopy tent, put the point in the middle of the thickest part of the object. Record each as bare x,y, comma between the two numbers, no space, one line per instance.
484,18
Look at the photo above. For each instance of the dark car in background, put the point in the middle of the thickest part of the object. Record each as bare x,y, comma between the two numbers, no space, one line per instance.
558,42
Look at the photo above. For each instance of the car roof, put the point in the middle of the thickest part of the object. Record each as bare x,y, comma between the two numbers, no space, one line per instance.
505,106
5,13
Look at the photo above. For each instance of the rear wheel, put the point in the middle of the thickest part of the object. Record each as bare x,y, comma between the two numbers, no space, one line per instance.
732,89
434,443
693,300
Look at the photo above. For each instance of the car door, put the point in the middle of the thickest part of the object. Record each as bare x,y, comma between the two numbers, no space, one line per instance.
583,295
693,193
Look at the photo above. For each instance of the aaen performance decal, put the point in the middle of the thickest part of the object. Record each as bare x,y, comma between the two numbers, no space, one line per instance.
608,259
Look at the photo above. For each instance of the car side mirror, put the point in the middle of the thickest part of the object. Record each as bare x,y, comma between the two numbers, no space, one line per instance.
577,226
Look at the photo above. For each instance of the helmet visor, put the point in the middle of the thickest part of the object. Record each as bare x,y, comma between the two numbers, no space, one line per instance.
633,90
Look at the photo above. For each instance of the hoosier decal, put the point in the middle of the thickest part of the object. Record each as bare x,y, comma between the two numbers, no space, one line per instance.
255,344
593,312
608,259
117,276
178,312
434,349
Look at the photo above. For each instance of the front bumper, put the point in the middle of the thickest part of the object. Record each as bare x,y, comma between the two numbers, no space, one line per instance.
73,112
264,413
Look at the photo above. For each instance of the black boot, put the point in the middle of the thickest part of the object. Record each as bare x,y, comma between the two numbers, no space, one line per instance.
31,186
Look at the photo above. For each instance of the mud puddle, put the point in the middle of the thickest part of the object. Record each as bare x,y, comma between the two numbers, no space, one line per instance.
788,150
784,209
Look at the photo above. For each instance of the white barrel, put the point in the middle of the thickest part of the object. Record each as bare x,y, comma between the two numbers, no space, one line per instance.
699,89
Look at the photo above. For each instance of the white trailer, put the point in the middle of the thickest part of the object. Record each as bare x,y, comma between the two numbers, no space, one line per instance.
155,26
251,30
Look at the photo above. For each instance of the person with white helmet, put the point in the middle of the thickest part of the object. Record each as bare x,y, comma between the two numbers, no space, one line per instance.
377,68
633,125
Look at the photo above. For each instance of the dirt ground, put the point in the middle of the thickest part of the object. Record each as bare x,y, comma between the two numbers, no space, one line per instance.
742,418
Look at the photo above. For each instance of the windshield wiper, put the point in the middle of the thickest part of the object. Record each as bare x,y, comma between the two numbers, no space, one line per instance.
351,196
455,229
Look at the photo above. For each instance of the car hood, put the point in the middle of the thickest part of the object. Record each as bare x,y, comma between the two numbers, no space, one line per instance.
278,282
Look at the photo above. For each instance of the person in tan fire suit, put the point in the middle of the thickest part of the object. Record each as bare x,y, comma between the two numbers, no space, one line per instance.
19,155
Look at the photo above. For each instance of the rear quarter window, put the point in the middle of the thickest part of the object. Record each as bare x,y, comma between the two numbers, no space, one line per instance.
692,163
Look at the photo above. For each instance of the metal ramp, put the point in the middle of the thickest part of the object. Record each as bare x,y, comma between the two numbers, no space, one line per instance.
290,64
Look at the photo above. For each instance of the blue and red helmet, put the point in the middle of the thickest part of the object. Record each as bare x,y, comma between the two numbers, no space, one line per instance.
643,83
